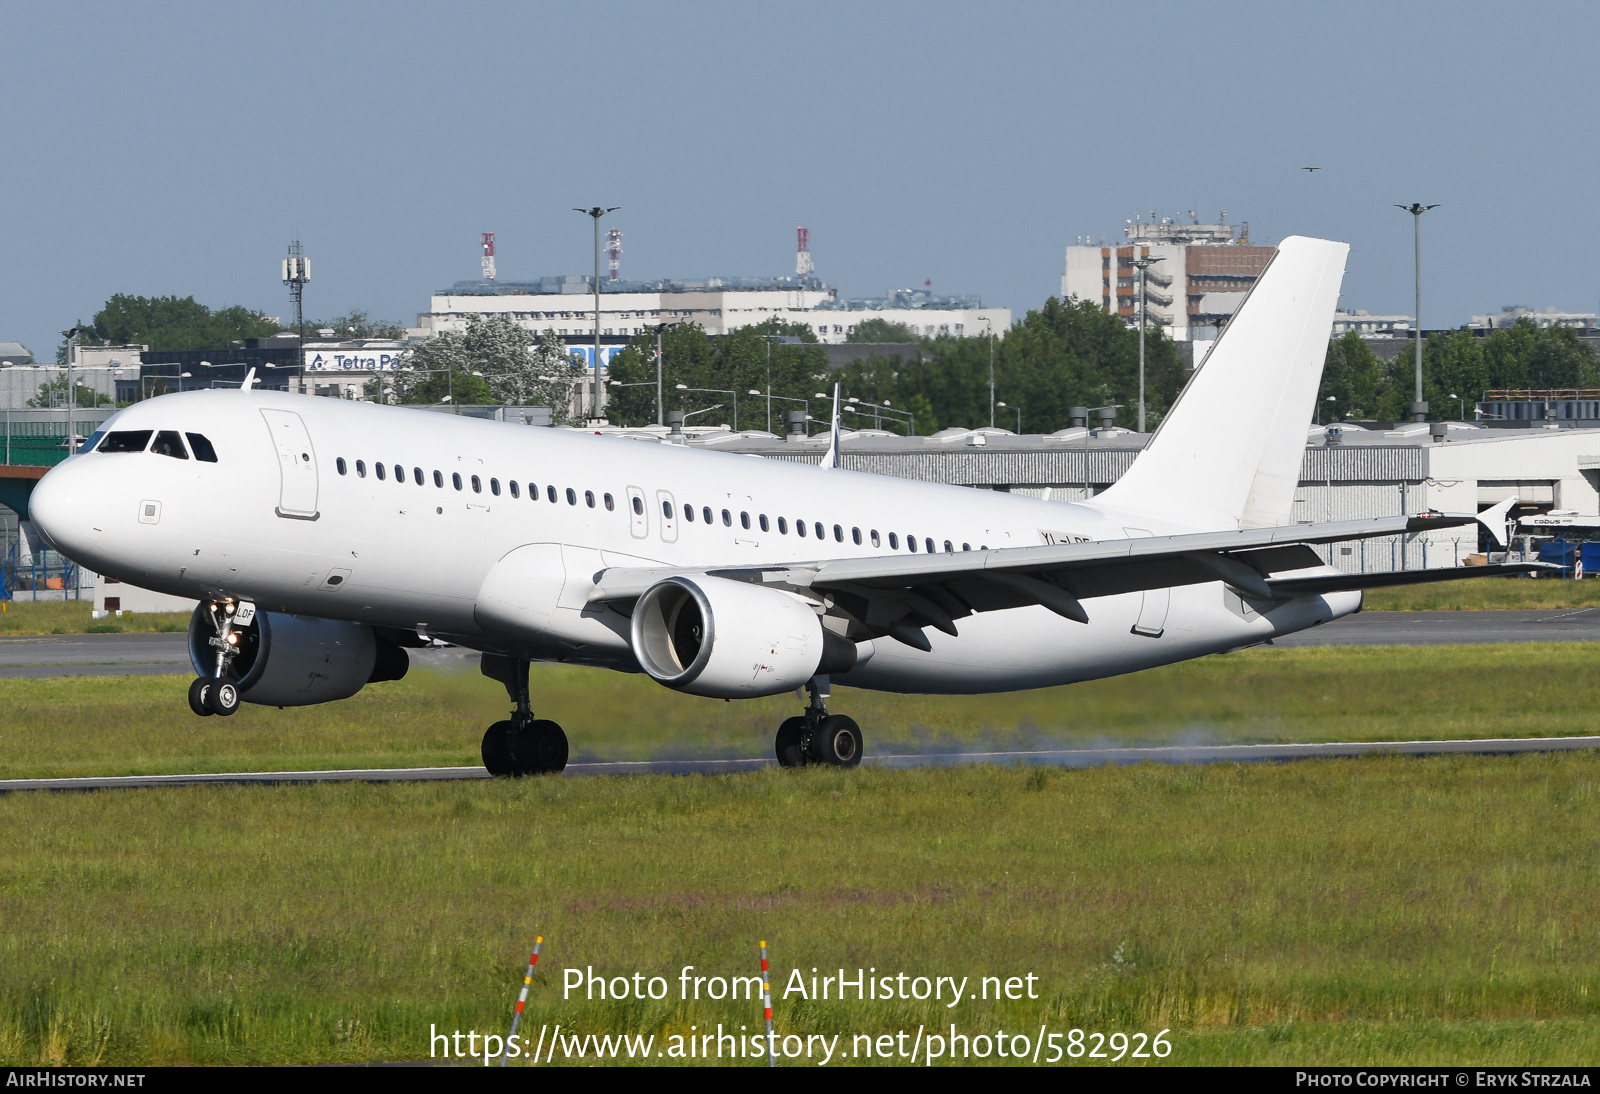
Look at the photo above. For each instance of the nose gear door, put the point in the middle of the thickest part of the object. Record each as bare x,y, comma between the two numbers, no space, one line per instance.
297,464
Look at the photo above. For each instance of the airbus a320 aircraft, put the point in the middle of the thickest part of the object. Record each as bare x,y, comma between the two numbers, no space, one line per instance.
325,537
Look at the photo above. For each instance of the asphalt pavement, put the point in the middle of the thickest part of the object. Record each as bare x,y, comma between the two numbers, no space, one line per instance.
1084,757
92,655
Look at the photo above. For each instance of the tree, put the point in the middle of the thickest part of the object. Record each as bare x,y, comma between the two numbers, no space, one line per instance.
1354,376
495,361
169,323
54,393
357,324
881,330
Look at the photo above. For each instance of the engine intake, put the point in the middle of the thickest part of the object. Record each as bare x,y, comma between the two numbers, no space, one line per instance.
299,660
733,640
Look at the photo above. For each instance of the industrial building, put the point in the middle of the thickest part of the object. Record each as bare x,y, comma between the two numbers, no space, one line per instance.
1198,278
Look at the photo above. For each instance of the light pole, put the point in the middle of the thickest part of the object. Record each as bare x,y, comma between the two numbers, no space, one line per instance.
643,383
781,339
717,391
596,212
1143,264
1461,406
1332,417
1419,409
661,415
990,325
1018,409
72,342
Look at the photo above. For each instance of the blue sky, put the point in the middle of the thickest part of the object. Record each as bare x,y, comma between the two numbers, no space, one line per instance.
176,148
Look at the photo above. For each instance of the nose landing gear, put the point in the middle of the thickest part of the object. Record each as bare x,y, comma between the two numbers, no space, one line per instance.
817,737
522,744
219,693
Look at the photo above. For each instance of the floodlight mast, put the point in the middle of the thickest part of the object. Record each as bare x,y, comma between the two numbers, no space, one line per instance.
1419,408
1143,264
596,212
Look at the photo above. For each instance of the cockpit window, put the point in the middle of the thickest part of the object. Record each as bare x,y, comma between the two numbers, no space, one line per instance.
126,440
169,444
202,448
94,439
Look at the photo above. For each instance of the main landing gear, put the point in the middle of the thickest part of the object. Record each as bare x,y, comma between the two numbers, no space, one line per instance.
219,692
522,744
817,737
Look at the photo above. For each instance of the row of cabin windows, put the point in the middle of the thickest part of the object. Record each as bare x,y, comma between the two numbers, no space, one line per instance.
800,528
706,516
167,443
381,472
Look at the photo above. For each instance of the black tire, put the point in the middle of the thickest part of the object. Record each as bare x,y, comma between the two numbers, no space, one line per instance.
790,742
199,696
540,748
497,750
224,696
837,742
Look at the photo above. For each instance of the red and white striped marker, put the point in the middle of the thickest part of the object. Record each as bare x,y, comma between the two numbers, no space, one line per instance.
522,999
766,1002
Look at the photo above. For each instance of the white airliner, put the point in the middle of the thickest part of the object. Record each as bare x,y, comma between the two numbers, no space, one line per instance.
324,537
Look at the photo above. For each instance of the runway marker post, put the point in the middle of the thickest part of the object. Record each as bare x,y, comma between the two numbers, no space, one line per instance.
766,1003
522,999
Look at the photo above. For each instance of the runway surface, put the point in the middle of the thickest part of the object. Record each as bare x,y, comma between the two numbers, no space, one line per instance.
148,654
1087,757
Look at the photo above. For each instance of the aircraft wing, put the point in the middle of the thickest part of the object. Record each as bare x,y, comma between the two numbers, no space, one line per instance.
898,595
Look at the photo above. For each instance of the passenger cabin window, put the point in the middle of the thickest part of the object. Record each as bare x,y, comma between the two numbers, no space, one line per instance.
928,543
744,521
666,509
875,541
838,534
611,505
339,463
894,542
688,513
378,467
638,506
588,498
494,487
361,469
783,526
705,511
477,485
416,473
911,544
764,526
855,535
168,444
399,474
438,478
572,496
550,492
818,528
126,440
455,479
966,546
513,485
949,550
800,528
727,519
202,448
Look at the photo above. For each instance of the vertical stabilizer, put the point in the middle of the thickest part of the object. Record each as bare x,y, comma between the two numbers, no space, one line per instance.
1228,453
830,458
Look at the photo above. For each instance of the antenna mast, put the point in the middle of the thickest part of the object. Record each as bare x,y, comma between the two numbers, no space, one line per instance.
296,272
614,251
488,256
802,259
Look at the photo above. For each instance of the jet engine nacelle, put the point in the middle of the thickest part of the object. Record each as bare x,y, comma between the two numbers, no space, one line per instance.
733,640
298,660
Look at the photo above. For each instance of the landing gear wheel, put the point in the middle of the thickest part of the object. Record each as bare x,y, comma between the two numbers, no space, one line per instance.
200,697
539,748
837,742
224,696
790,742
497,750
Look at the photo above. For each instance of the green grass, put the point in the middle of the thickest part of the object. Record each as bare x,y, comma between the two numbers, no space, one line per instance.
1485,594
142,725
73,617
1385,910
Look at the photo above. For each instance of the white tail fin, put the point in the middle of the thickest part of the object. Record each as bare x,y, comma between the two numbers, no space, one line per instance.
1228,453
830,458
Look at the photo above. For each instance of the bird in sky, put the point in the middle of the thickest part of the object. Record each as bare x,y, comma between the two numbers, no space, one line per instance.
1308,170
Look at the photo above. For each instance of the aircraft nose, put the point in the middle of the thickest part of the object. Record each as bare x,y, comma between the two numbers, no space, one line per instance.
62,509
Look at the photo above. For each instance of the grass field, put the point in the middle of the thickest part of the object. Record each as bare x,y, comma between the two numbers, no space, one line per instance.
1384,910
1485,594
72,617
142,725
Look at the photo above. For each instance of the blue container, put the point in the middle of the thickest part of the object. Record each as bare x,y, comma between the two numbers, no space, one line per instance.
1590,553
1558,552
